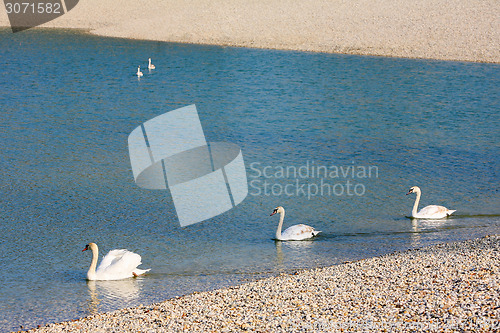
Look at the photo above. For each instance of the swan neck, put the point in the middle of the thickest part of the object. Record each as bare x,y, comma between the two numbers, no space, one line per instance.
95,254
415,205
280,225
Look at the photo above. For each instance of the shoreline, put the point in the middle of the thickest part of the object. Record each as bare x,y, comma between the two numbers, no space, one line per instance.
456,30
450,286
409,57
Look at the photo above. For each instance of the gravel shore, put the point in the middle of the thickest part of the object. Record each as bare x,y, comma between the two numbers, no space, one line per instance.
448,287
467,30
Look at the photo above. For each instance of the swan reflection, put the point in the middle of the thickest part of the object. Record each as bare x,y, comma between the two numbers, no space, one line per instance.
295,250
415,235
112,292
419,226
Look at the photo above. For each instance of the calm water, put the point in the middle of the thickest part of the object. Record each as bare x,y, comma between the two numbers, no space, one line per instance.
68,102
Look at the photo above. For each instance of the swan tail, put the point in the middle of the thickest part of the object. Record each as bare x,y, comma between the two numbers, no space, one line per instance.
316,232
450,211
138,271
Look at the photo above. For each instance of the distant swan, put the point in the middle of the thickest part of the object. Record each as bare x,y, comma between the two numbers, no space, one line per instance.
295,232
139,73
116,265
429,212
151,66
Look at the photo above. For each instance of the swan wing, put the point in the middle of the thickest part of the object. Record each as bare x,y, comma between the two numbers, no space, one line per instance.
299,232
434,211
110,258
118,264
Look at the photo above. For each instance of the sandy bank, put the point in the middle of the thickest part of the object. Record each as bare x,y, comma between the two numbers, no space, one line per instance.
467,30
450,287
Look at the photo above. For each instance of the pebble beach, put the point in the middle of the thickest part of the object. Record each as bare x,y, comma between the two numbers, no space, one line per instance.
447,288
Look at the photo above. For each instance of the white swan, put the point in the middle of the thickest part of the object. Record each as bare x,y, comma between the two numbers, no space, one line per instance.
295,232
139,73
116,265
151,66
429,212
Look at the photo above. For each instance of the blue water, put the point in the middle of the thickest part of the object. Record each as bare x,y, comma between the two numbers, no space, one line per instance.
68,102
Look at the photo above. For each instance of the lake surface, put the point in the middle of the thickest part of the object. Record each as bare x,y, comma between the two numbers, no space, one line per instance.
68,102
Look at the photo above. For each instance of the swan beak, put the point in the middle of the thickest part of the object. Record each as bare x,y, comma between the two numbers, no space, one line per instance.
86,248
409,192
274,212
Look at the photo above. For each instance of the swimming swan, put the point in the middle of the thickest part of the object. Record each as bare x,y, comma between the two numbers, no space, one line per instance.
139,73
429,212
151,66
295,232
116,265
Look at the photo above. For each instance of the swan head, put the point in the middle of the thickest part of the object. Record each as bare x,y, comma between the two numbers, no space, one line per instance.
414,189
278,209
90,246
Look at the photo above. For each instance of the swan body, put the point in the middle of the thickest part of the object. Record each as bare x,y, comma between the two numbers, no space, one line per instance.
116,265
139,73
428,212
295,232
151,66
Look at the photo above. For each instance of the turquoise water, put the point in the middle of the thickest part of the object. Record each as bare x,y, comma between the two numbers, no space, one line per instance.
68,102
